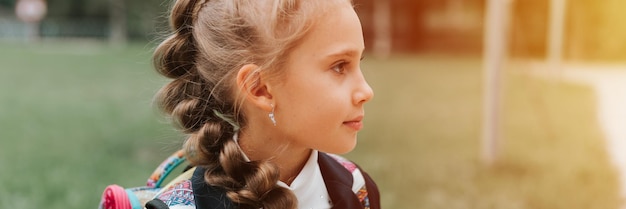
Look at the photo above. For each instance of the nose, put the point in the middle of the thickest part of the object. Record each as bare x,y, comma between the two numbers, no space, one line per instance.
363,92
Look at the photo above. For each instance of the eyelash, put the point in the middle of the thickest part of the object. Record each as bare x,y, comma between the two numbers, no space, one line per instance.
339,67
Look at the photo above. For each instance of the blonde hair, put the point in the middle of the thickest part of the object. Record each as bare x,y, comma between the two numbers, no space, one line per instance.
211,40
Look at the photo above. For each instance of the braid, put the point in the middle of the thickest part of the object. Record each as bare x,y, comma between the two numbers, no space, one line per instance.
189,98
211,40
260,177
175,56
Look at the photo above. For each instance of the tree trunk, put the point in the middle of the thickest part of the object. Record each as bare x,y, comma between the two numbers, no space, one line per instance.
382,28
555,34
495,48
117,22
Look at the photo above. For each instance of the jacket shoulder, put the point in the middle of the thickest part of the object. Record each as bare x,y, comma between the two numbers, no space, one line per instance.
362,185
207,196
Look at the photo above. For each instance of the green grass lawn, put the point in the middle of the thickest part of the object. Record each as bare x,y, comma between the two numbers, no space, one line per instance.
76,117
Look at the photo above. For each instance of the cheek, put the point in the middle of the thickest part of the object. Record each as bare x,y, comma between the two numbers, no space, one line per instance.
311,114
317,121
313,101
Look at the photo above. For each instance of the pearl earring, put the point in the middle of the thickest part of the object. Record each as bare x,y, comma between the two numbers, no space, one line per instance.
271,115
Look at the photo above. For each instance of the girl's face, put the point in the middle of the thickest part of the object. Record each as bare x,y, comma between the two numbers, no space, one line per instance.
319,103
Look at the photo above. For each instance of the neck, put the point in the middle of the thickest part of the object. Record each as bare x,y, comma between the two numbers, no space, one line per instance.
288,157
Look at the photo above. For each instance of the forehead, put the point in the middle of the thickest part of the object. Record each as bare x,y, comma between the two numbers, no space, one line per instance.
336,30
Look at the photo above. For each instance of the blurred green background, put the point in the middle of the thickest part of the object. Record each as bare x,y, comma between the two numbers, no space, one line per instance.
76,111
76,117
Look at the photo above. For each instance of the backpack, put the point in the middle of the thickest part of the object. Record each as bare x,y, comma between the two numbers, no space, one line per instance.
178,194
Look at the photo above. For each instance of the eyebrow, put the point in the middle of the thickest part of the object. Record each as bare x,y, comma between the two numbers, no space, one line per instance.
344,53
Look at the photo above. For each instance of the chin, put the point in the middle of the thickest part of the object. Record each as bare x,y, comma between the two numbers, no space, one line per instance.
342,148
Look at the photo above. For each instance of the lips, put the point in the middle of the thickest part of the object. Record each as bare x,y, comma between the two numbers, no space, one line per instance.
356,123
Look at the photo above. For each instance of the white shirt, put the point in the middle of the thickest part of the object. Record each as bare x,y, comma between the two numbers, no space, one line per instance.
309,186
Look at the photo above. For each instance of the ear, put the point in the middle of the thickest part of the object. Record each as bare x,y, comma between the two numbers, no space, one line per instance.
254,88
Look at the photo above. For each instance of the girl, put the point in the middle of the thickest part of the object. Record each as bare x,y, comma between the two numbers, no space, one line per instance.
264,89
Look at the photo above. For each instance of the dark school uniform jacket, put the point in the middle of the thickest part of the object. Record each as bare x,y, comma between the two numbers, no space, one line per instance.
338,181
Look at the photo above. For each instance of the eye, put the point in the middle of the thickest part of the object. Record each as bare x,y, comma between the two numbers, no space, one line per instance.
340,67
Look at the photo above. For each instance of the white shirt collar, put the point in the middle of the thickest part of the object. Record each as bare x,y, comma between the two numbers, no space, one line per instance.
309,186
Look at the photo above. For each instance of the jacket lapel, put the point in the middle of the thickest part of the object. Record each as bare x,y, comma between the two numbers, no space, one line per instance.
338,181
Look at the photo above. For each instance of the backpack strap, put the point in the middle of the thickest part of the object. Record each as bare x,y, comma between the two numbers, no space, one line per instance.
359,183
156,204
165,168
208,196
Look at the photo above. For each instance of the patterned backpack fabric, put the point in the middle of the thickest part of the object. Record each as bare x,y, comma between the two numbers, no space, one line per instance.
116,197
178,193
